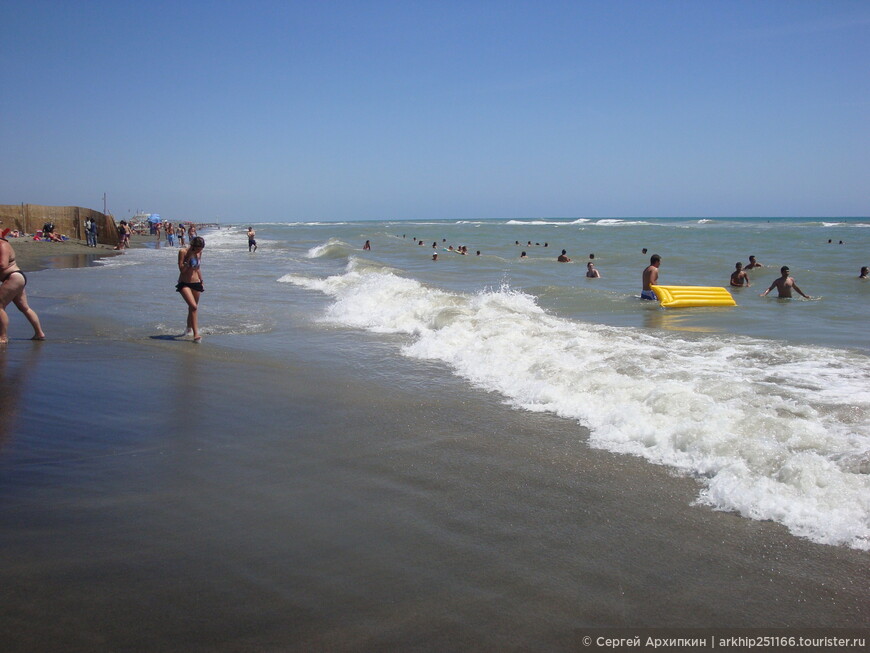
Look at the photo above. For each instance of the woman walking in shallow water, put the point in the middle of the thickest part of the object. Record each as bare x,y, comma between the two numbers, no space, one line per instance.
190,282
12,282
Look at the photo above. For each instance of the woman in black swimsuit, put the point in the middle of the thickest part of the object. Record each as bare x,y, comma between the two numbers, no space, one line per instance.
190,282
12,282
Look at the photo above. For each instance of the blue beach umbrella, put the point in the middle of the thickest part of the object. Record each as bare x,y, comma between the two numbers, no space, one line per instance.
154,217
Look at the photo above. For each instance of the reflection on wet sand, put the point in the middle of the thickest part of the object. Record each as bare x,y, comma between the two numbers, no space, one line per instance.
13,378
70,261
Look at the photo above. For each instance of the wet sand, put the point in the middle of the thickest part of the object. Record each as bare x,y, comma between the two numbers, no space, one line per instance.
32,255
155,496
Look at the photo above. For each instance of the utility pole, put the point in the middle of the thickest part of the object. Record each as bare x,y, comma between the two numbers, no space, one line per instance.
104,204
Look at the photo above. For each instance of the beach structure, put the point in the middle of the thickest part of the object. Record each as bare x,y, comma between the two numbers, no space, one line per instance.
70,220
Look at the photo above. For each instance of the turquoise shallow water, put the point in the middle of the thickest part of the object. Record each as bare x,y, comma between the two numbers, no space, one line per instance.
695,252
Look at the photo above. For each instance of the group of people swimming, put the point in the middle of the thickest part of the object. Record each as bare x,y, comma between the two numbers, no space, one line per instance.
739,278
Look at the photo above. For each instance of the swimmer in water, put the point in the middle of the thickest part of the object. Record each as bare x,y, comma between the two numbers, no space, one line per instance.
739,276
591,272
753,264
784,285
651,277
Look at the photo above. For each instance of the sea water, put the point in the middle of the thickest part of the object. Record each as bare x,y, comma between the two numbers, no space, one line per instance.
766,404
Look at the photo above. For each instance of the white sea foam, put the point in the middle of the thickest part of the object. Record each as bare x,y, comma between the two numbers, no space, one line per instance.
535,223
333,248
772,431
615,222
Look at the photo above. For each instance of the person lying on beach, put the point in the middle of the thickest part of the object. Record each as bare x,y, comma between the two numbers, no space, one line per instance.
739,276
651,277
563,258
12,283
784,285
190,282
591,272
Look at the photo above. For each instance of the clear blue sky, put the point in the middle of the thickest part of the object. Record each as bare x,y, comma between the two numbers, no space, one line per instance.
323,110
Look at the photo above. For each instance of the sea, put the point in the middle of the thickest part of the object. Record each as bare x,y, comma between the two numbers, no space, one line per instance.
488,433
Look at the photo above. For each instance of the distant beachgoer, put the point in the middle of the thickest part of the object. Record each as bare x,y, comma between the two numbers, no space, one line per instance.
434,244
368,245
252,241
523,255
478,252
123,235
516,242
753,264
643,251
191,233
12,283
863,273
435,256
170,234
190,282
651,277
546,244
591,272
158,229
563,258
784,285
180,233
739,276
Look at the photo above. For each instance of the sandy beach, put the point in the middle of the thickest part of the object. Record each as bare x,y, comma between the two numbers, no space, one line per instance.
32,255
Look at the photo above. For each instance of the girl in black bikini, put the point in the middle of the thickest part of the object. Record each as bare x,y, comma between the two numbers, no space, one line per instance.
12,282
190,282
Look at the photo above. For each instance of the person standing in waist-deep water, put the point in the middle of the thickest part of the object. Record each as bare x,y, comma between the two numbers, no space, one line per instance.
368,245
252,241
12,282
739,276
190,282
651,277
784,285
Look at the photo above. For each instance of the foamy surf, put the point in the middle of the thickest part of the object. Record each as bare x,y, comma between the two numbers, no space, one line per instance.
774,432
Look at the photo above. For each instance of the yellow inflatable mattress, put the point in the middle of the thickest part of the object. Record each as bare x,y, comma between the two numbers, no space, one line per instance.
684,296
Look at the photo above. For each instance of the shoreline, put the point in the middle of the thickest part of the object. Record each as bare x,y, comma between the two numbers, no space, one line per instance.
34,256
